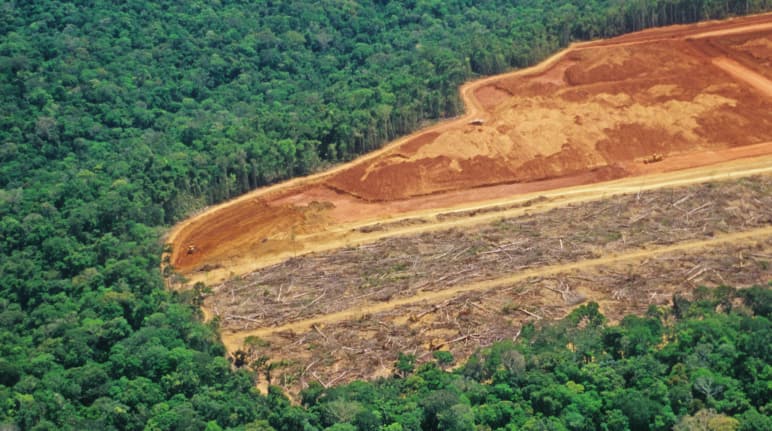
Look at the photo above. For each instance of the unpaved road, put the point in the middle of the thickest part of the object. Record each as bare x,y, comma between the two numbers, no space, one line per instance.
234,341
758,81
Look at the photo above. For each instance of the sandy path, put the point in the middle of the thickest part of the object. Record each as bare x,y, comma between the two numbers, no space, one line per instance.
731,31
234,341
744,74
698,30
337,236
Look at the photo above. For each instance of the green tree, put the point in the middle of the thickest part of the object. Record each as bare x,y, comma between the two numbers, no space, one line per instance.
405,364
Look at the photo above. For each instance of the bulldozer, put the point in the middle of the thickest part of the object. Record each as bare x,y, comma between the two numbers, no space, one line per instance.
654,158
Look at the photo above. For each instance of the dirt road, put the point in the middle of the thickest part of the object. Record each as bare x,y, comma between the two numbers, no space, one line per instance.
760,82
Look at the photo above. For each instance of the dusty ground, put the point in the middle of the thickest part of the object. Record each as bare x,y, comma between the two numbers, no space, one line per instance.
753,49
347,313
595,112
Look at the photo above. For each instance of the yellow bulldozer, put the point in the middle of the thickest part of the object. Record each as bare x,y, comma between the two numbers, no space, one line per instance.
654,158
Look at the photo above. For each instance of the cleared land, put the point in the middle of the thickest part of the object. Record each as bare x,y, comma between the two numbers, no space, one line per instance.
408,266
595,112
346,314
620,171
366,344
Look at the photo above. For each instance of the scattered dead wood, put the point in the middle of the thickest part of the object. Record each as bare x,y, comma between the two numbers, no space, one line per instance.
377,227
399,267
523,310
497,208
402,266
365,348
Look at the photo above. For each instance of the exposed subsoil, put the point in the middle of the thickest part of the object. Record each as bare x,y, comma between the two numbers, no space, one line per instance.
595,112
753,50
591,111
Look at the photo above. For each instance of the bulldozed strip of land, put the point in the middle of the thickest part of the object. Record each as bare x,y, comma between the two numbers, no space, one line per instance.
753,50
517,203
367,344
402,267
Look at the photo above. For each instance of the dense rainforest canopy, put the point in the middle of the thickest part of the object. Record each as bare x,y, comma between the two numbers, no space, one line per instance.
118,118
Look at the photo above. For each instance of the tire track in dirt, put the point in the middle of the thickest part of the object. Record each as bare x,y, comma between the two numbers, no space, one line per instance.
680,35
233,341
755,80
733,31
720,57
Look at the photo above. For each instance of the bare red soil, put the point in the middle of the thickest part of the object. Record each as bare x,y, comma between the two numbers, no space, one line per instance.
691,95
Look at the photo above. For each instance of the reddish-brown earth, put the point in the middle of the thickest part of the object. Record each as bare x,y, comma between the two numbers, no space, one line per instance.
695,95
